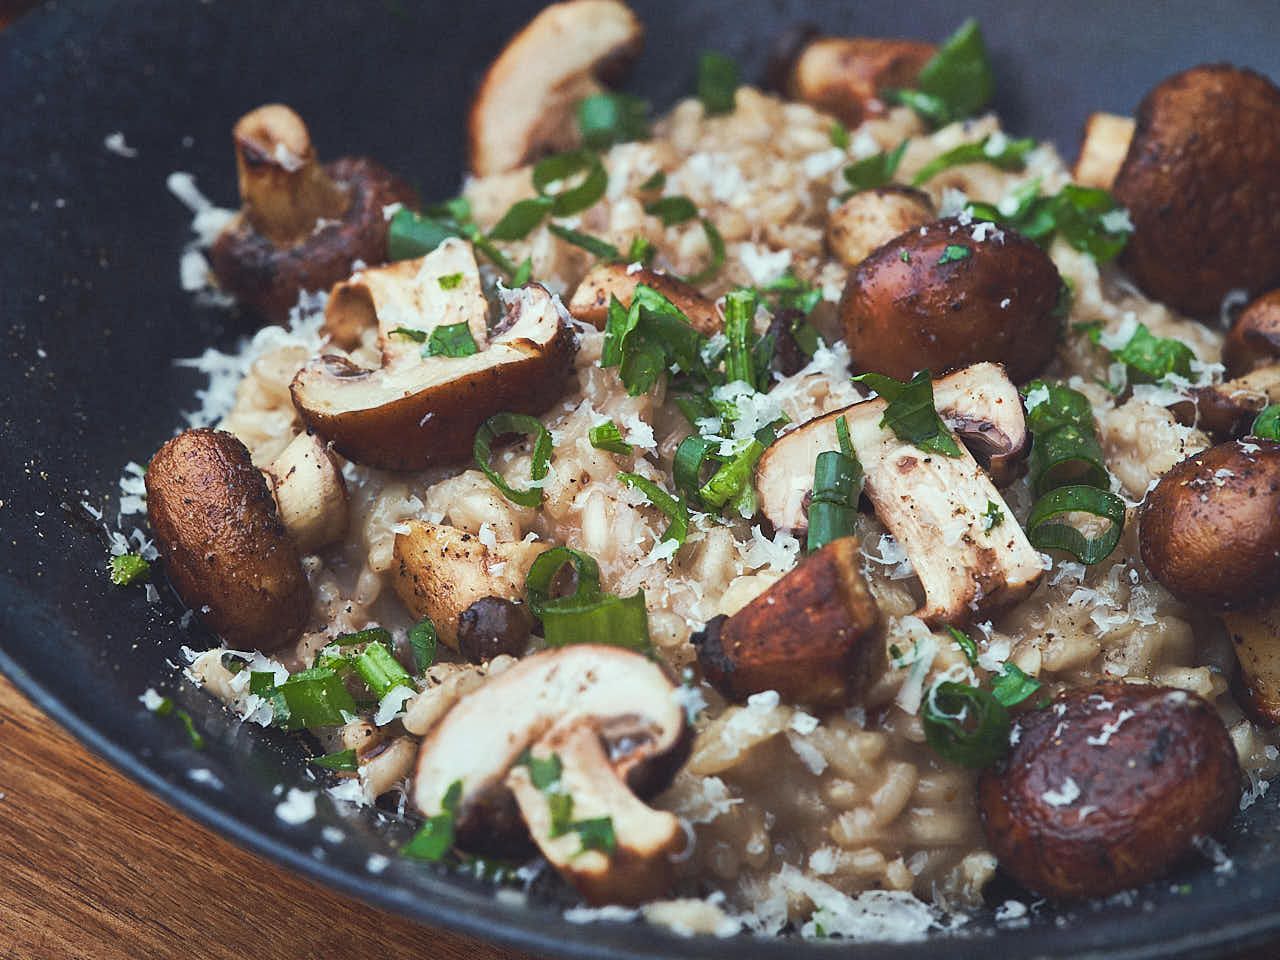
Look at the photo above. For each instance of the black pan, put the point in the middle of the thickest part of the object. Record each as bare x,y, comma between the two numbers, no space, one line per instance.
91,316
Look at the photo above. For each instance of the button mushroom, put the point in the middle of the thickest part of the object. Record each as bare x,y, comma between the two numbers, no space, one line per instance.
845,75
934,505
442,572
1201,181
951,294
1210,533
493,626
612,721
1254,339
228,549
301,224
811,636
1227,410
417,411
524,107
590,302
1107,789
1102,151
871,218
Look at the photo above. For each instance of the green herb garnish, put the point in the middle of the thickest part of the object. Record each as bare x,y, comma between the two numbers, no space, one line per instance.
434,838
608,118
910,413
504,424
593,245
450,281
992,517
1012,686
588,615
127,569
717,82
954,252
956,83
423,641
672,210
607,436
965,643
996,149
343,761
450,340
966,725
672,508
876,170
1267,423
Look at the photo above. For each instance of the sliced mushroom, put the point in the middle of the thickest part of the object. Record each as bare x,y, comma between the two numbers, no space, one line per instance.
417,411
590,302
811,636
310,493
1102,151
613,720
443,571
1227,410
525,105
1254,339
301,225
845,75
1210,533
871,218
1201,182
951,294
934,505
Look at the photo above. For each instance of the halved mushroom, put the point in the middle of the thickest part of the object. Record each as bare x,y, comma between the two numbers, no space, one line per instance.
935,506
590,302
1102,151
811,636
1210,533
524,107
226,547
1201,182
301,224
443,571
1254,339
871,218
951,294
612,719
845,75
417,411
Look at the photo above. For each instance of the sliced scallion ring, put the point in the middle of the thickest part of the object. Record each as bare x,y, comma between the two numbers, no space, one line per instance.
587,615
674,510
562,166
542,573
694,451
502,424
733,477
1047,533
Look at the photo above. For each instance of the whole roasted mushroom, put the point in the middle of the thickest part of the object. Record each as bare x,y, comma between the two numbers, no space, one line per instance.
951,294
301,224
604,728
1201,181
1254,339
231,548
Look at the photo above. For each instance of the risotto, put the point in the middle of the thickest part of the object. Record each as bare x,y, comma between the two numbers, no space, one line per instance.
851,813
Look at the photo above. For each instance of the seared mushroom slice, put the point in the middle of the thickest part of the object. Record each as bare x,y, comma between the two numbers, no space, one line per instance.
225,549
1202,184
935,506
1108,788
871,218
443,572
417,411
811,636
612,719
1102,152
301,224
845,75
590,302
951,294
1210,533
525,105
310,494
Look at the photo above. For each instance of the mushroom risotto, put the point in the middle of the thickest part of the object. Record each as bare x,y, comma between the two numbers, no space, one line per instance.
780,515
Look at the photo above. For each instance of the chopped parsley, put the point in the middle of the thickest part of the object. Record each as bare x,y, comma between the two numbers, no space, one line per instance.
1012,686
418,336
1147,358
127,569
956,83
343,761
164,707
1267,423
595,833
992,517
609,117
450,281
875,170
717,82
954,252
996,149
964,724
839,135
1088,218
434,838
910,413
423,641
450,340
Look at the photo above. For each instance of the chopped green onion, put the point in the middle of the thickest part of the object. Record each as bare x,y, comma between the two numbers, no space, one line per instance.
833,508
954,252
1267,423
717,82
739,327
672,508
559,169
607,436
992,517
910,412
839,135
434,839
693,452
843,438
312,698
995,149
1065,448
417,336
166,707
672,210
500,425
587,615
451,340
733,478
367,635
716,244
523,273
875,170
343,760
955,83
965,643
128,568
966,725
640,251
1148,358
1046,533
655,182
543,571
519,221
423,641
450,281
593,245
608,118
789,292
380,670
1012,686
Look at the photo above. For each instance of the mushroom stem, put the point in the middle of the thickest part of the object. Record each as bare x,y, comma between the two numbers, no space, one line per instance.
283,190
1102,152
311,496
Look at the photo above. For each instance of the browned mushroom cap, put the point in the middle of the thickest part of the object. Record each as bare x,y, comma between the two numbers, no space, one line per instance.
225,550
1107,788
612,718
1210,529
1227,410
1254,339
845,75
811,636
301,225
951,294
1202,185
526,102
871,218
590,302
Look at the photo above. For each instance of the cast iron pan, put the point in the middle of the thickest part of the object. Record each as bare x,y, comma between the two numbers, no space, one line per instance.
91,316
